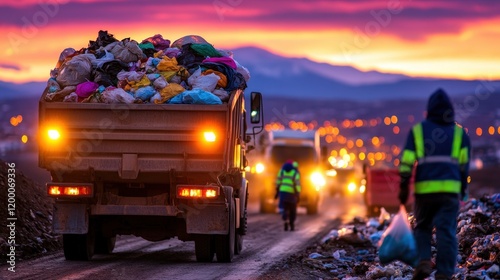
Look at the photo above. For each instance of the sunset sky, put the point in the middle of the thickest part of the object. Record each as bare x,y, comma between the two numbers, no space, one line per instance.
432,38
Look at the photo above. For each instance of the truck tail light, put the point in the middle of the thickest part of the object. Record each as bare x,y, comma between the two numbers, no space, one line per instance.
209,136
193,191
70,190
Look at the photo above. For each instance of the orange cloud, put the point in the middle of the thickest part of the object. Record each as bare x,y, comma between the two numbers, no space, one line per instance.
438,39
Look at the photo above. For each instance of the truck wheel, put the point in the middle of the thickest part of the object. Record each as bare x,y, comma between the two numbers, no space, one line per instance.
204,248
242,230
238,243
104,245
78,247
224,244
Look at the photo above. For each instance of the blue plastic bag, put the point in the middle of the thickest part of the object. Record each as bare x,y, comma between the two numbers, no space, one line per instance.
195,96
398,242
145,93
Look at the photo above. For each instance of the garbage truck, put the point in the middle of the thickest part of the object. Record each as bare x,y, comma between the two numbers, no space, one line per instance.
302,147
156,171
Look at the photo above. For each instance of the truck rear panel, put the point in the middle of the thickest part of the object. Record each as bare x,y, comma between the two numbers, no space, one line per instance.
129,140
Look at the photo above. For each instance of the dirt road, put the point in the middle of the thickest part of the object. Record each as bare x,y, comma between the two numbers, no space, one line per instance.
134,258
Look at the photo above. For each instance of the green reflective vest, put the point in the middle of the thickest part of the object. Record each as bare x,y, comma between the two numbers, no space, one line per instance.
288,181
458,156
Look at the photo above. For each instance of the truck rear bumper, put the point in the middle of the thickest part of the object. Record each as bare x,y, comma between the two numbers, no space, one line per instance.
150,210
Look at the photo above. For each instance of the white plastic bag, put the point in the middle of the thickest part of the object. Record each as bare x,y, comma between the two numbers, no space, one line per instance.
398,242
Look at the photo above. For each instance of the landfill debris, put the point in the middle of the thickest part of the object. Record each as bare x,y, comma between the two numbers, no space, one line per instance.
351,251
152,71
33,225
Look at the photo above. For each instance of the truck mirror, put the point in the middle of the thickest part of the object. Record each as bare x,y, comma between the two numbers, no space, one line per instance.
255,107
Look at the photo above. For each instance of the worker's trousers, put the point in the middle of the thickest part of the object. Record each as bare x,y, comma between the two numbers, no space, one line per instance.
289,212
439,211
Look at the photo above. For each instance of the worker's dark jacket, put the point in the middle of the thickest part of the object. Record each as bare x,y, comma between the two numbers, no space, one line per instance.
441,149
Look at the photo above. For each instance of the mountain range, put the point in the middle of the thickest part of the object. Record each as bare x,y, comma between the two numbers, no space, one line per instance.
300,78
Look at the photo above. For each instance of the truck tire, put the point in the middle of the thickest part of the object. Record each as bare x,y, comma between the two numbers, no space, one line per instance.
79,247
204,248
104,245
224,244
238,243
238,240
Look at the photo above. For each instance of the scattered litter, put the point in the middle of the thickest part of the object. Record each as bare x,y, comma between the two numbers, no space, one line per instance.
478,238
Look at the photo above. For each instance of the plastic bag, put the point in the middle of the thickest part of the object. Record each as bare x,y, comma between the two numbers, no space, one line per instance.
187,40
125,50
145,93
195,96
398,242
116,95
75,71
205,82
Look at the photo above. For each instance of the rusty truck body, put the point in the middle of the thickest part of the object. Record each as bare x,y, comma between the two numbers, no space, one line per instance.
156,171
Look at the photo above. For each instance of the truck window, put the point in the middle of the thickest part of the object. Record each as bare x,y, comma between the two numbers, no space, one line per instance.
303,155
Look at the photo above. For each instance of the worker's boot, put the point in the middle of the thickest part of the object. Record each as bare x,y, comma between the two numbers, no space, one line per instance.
423,270
292,226
441,277
286,226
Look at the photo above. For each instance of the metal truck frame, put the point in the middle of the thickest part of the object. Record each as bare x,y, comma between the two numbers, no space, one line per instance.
156,171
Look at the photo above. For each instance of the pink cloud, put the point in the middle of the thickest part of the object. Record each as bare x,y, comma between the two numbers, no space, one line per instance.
410,20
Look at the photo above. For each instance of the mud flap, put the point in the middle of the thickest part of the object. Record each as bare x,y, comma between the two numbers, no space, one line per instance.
212,219
70,219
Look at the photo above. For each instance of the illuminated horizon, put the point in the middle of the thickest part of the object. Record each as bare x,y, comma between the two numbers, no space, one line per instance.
443,39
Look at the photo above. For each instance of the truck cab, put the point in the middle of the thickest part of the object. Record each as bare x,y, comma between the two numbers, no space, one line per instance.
302,147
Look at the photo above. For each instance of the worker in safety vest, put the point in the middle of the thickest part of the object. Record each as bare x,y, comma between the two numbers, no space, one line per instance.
288,191
441,149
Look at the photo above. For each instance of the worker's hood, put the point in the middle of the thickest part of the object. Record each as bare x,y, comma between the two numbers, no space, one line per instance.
288,166
439,108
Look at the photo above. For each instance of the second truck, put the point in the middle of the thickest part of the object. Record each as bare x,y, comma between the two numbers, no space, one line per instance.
299,146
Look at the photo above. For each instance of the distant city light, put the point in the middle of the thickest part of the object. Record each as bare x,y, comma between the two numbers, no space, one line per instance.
395,129
387,121
479,131
491,130
15,121
350,144
359,143
24,139
361,156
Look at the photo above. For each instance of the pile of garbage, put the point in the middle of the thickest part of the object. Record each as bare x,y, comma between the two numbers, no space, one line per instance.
188,71
351,252
26,211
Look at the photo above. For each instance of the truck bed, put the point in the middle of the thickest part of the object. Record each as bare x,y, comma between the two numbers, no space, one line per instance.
127,140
